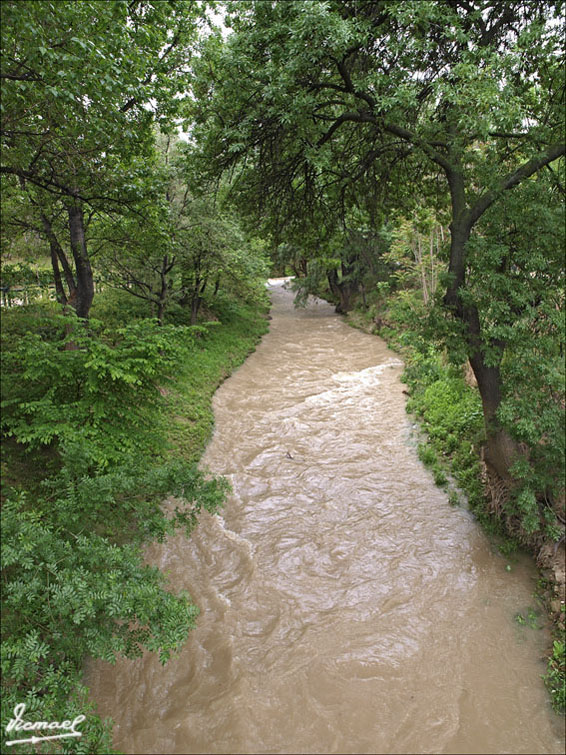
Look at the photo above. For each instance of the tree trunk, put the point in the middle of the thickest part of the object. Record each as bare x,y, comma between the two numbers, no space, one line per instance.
332,277
342,290
59,290
459,237
195,306
58,255
501,450
346,293
164,288
85,283
363,293
160,311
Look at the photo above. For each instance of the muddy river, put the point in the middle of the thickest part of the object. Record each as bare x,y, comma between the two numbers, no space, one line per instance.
346,607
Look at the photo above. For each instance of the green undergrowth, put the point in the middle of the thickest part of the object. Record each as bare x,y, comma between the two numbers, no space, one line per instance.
556,674
450,413
100,422
220,349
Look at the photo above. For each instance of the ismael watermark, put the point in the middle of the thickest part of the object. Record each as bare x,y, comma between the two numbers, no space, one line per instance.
18,724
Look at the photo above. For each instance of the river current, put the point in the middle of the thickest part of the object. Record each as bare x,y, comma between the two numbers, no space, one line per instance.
346,607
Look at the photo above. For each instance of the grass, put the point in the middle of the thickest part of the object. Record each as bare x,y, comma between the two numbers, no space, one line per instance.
555,676
216,355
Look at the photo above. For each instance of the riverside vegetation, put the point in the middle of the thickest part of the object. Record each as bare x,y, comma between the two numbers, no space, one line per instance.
93,447
403,158
447,404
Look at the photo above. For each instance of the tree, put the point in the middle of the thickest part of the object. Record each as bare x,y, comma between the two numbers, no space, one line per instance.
82,84
182,243
416,252
343,93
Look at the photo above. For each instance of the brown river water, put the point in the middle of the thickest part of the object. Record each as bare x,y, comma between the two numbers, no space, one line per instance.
346,607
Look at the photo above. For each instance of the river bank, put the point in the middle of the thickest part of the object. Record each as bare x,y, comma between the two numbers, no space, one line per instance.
75,584
447,406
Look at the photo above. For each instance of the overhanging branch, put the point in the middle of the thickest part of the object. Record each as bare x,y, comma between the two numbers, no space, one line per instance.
513,179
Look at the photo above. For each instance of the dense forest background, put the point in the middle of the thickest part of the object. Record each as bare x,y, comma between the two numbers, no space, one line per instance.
160,160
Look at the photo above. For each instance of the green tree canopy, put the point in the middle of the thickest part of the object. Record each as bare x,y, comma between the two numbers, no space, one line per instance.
466,94
82,84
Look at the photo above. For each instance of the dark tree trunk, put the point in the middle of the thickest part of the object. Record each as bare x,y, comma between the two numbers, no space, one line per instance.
196,288
160,310
300,267
59,256
501,450
67,271
363,293
85,284
59,290
166,266
342,290
347,293
332,277
195,306
196,300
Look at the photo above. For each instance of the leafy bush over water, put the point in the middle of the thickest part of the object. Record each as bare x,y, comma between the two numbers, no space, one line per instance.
88,460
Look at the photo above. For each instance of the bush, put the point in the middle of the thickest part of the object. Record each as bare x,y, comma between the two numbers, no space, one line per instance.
92,387
74,582
555,676
69,591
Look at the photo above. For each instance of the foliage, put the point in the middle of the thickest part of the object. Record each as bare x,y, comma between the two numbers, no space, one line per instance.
73,573
451,416
346,265
20,282
22,274
82,86
102,393
185,248
416,252
556,676
70,591
519,287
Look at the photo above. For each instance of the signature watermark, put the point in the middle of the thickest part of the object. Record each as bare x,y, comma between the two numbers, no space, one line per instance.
18,724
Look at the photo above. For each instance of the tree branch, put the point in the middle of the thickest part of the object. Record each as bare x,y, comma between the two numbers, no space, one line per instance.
352,117
513,179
